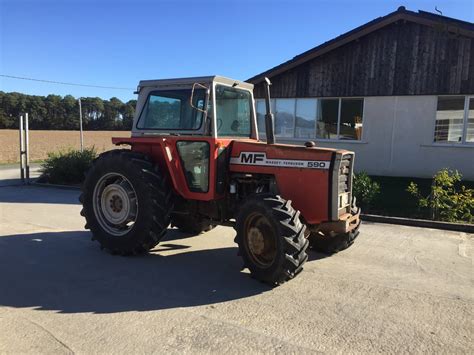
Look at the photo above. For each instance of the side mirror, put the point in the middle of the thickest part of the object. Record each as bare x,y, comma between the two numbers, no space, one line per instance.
191,99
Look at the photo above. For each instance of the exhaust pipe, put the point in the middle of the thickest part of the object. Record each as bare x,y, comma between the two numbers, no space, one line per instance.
269,120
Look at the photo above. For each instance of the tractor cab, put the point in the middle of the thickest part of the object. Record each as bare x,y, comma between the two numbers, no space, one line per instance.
211,106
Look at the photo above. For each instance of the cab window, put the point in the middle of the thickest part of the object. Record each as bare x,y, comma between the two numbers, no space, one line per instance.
170,110
233,112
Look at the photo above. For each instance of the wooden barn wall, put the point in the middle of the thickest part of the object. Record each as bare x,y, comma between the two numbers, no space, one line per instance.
403,58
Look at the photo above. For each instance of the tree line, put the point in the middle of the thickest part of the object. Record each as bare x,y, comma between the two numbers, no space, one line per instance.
62,113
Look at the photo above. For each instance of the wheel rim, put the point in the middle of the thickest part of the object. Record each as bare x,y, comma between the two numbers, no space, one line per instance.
260,240
115,204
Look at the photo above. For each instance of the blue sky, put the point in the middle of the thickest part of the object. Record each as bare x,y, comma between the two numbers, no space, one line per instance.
117,43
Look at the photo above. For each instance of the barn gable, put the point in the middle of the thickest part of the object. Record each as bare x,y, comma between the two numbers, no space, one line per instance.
403,53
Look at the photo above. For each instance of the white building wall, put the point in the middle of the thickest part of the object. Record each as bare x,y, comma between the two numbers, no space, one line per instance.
397,140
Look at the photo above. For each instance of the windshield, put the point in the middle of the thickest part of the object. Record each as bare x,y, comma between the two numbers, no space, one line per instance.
233,111
170,110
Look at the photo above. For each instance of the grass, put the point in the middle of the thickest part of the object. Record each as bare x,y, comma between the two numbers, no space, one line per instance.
395,201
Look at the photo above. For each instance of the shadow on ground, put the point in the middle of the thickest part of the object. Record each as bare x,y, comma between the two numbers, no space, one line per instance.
36,194
65,271
10,182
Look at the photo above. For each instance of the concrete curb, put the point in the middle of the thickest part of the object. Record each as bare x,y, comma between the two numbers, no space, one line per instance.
458,227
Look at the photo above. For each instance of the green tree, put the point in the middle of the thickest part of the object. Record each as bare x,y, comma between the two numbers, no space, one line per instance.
92,111
128,111
111,117
56,112
70,107
37,112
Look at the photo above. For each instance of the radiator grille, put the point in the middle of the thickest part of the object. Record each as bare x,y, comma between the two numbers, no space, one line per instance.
344,174
341,190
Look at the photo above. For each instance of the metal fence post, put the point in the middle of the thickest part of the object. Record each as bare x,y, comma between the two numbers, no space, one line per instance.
22,148
27,149
80,124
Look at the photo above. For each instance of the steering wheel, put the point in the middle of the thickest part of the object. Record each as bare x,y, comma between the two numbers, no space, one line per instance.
235,126
219,123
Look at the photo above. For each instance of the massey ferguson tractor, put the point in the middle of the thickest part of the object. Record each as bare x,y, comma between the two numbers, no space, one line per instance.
196,161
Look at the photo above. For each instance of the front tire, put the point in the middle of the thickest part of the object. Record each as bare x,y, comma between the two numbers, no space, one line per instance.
271,239
126,202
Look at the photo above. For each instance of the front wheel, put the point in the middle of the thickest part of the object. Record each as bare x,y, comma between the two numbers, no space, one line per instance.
271,239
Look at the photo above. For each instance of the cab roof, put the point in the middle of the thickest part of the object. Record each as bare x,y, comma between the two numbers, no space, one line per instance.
198,79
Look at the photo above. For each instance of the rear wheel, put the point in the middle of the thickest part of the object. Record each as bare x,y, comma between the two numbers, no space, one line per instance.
126,202
190,224
271,239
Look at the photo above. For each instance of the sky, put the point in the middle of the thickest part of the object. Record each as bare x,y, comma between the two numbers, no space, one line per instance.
117,43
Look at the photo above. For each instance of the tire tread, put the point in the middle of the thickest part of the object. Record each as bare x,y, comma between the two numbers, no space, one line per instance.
159,190
292,233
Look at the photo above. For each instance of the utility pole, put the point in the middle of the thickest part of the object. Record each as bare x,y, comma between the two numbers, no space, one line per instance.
80,124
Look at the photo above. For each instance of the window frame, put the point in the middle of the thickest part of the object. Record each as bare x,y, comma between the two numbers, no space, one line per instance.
318,110
465,118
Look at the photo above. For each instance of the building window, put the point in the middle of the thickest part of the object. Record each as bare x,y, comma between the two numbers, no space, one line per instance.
470,122
261,110
449,119
454,120
350,123
284,117
308,118
305,124
328,119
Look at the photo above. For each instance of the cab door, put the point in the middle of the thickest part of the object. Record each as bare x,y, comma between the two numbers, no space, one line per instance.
195,164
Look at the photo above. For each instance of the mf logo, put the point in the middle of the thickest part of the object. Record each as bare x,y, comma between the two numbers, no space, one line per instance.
252,158
260,159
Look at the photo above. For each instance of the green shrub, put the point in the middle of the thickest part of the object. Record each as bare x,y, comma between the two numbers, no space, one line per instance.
447,200
67,167
365,190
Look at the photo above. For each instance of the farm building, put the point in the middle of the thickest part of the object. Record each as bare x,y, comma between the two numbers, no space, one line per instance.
399,91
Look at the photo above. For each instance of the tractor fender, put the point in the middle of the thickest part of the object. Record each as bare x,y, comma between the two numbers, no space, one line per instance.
164,153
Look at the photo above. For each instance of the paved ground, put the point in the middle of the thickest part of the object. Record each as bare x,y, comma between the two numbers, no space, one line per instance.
398,289
10,173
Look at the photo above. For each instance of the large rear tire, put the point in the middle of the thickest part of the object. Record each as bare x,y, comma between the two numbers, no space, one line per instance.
126,202
190,224
271,239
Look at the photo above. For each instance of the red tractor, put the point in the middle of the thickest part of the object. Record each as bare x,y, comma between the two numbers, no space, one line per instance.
196,161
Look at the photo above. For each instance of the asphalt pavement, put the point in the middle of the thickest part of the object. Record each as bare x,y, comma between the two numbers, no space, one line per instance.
397,289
